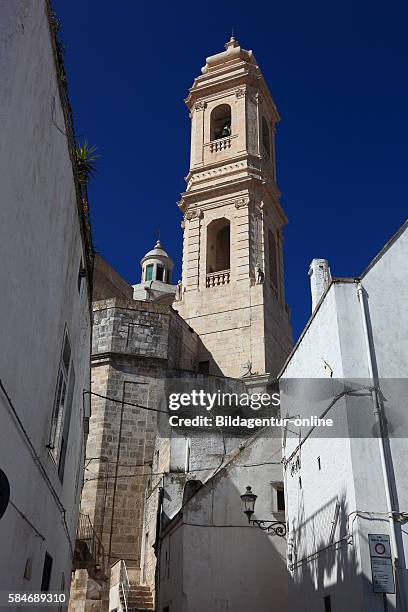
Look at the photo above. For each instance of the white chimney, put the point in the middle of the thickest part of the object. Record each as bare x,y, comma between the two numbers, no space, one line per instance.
320,279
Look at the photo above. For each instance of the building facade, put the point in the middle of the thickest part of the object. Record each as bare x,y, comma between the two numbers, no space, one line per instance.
45,316
209,556
224,325
232,294
348,484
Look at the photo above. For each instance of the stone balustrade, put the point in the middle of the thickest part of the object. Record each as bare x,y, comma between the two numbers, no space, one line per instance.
217,278
220,145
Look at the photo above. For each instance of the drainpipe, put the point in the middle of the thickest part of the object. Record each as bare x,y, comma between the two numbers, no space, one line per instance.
380,420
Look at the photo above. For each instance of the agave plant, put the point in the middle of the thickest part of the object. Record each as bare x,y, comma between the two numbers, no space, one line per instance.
85,158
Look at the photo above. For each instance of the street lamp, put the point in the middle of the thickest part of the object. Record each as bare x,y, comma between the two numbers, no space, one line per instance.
248,501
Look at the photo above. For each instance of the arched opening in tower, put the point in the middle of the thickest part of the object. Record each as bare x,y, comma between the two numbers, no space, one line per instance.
266,141
273,263
221,122
218,245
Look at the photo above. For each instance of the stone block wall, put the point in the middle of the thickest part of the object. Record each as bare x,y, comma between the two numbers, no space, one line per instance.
135,345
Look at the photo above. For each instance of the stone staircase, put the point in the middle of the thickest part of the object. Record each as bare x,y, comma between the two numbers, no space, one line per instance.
139,598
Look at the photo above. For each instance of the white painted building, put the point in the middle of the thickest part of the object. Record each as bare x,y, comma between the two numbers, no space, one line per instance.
210,557
337,481
46,257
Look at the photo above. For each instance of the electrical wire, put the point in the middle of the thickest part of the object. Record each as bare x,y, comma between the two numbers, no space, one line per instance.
204,469
325,411
40,466
116,401
27,520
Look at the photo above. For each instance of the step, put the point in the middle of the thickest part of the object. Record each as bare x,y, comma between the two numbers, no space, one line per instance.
142,587
141,592
138,601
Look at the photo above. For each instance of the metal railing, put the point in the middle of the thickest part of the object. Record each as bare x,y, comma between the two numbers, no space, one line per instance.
86,533
124,583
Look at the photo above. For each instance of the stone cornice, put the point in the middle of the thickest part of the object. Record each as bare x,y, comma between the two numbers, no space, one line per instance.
219,196
245,79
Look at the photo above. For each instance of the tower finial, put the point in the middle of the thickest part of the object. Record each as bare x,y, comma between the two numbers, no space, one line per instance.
158,237
232,41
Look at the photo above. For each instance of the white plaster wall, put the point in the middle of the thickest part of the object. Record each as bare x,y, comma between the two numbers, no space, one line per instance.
350,467
311,504
40,251
227,564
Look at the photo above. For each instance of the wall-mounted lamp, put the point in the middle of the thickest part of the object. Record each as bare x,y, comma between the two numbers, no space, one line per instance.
248,501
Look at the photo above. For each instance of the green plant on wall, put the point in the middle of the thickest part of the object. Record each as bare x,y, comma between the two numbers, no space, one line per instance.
86,159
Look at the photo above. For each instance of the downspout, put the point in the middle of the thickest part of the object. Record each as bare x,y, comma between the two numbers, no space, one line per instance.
381,422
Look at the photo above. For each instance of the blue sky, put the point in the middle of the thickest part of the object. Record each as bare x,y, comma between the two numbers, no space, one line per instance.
337,72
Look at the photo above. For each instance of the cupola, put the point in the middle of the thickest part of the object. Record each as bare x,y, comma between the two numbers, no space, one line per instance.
157,265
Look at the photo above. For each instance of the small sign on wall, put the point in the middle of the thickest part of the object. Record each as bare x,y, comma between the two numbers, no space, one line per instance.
381,563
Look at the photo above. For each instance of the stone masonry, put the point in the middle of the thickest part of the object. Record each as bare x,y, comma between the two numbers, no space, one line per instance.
239,312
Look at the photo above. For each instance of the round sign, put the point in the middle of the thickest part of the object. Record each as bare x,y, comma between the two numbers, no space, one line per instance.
4,492
379,549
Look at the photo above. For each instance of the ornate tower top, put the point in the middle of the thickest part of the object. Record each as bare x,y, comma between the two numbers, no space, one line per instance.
233,118
232,281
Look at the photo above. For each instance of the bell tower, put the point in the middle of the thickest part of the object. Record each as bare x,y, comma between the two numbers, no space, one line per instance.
232,290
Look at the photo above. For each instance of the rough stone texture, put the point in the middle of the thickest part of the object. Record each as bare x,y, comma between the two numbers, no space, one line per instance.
86,595
135,345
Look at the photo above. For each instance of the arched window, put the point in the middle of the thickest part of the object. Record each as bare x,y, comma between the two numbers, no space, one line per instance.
273,259
266,140
218,245
220,122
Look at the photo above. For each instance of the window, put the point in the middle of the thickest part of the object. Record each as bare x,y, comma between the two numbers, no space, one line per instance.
160,273
149,272
81,275
280,499
266,141
61,416
327,603
220,122
218,245
46,575
273,264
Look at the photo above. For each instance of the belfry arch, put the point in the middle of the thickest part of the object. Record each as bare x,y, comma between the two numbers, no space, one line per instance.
220,122
218,245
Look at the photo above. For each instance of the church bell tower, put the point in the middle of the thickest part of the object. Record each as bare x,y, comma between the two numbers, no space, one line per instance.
232,291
